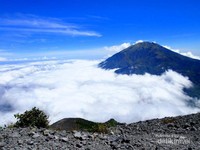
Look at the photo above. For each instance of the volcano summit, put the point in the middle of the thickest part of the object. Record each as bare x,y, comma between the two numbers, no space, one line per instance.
147,57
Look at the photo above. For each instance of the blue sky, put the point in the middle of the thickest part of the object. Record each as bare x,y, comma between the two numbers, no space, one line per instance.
55,27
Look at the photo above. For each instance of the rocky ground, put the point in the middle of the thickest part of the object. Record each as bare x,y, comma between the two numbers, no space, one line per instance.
181,132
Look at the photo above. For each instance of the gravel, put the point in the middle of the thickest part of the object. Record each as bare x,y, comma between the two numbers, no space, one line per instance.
182,132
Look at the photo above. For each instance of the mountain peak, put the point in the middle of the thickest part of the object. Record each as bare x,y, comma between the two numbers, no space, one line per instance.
147,43
152,58
147,46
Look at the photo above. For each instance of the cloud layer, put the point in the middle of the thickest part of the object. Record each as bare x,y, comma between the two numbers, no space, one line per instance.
79,89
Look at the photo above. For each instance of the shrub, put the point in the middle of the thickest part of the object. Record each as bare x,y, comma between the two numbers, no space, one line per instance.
168,120
111,123
33,118
101,128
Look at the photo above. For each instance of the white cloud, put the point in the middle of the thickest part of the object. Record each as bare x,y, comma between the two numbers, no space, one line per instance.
117,48
188,54
139,41
35,24
79,89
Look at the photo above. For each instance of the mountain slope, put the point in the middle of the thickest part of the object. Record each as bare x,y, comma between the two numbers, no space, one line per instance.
180,133
152,58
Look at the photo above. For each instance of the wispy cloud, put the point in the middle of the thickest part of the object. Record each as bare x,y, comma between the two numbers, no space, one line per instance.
48,30
35,24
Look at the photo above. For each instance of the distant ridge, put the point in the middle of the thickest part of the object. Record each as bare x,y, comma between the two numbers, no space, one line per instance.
148,57
71,124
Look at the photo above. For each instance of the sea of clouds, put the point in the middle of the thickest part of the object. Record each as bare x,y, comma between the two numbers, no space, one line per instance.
78,88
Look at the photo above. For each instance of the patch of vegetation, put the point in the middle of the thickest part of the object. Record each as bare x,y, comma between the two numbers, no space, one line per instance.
33,118
111,123
99,127
96,127
168,120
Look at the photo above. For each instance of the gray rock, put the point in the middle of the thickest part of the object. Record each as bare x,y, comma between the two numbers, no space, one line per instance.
64,139
125,140
79,145
15,135
103,137
30,142
186,126
112,139
46,132
90,136
51,136
80,135
170,125
20,142
193,129
36,135
114,145
77,134
56,137
31,133
2,144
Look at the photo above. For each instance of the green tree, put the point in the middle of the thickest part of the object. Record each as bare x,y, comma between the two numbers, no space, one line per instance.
33,118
